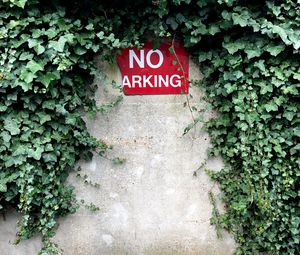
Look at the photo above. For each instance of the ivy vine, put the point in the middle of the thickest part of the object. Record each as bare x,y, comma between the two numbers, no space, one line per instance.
248,52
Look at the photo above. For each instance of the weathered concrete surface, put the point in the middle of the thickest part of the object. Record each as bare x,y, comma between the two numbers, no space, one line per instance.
152,204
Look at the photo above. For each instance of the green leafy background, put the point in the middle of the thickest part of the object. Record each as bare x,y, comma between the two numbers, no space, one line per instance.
248,52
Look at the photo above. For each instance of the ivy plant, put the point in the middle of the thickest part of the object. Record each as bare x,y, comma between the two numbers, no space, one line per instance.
248,52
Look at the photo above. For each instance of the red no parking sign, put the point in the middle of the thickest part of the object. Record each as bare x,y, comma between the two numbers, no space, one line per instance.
149,71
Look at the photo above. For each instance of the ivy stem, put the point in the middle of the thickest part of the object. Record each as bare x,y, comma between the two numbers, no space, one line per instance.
184,76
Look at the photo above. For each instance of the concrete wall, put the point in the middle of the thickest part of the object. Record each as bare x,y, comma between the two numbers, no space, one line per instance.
153,204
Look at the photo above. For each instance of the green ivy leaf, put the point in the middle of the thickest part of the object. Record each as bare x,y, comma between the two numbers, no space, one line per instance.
12,126
58,45
233,47
44,117
26,56
39,49
274,50
49,157
34,67
21,3
172,22
297,131
46,78
5,136
32,43
36,154
271,107
3,187
80,50
27,77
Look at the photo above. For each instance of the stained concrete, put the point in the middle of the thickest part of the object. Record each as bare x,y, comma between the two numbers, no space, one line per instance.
151,205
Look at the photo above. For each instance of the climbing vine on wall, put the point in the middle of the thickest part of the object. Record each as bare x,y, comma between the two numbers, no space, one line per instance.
249,55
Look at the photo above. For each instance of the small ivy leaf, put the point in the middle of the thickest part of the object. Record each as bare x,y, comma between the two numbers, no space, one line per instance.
289,115
213,29
171,50
244,126
296,131
275,50
32,43
226,15
265,87
204,56
58,45
21,149
241,19
61,109
282,33
297,44
271,107
34,67
295,148
49,157
14,161
26,56
118,161
194,39
230,88
44,117
5,136
27,77
233,47
90,27
238,74
12,126
260,65
51,33
27,84
188,128
100,35
39,49
172,22
3,108
3,187
49,104
36,154
180,18
199,118
116,43
46,78
71,119
252,53
296,76
20,3
80,50
49,147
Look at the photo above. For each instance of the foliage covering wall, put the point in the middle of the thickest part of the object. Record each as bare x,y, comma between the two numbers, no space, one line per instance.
248,52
